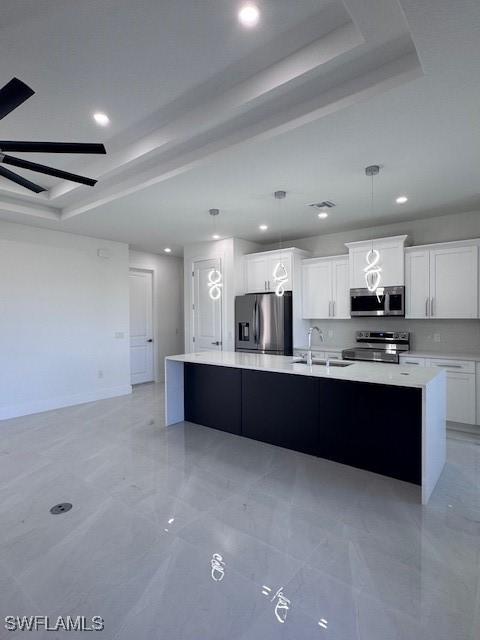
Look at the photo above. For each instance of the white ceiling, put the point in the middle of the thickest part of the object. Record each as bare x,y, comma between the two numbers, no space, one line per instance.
205,114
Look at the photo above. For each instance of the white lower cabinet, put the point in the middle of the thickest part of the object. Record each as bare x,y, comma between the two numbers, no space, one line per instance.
412,360
461,385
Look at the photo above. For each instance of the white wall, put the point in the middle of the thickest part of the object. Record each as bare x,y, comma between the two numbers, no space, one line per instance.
438,336
230,252
167,304
441,336
61,307
459,226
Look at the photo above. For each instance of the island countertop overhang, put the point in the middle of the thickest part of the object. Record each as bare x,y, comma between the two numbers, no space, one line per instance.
369,372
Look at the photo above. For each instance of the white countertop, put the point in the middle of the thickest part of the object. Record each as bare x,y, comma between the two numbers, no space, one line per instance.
472,356
375,373
443,356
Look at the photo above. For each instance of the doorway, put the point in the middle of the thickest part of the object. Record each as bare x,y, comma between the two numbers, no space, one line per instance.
207,309
141,326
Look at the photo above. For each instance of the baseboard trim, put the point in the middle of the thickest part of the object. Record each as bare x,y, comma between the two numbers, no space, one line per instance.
16,411
464,428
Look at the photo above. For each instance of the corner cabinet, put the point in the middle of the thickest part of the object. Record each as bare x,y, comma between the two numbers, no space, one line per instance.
442,281
325,283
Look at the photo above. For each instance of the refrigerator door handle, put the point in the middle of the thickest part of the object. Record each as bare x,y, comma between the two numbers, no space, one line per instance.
255,322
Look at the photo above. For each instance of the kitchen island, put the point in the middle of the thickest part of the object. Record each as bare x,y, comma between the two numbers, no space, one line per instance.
385,418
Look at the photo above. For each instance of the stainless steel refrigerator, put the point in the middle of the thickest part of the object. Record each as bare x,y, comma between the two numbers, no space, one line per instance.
263,323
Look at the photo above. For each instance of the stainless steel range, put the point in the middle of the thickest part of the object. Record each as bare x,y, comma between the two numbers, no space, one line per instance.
379,346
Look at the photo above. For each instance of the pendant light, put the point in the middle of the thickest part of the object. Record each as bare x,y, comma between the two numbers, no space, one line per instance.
280,273
373,270
215,277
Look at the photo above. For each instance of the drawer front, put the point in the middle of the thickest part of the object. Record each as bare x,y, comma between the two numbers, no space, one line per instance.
420,362
461,366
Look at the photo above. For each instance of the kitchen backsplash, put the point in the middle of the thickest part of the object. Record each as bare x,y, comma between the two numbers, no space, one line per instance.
439,336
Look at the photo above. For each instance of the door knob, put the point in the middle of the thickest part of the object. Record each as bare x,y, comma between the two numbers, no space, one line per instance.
150,340
217,343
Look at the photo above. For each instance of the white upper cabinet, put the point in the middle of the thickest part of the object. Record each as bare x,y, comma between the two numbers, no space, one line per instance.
442,281
341,288
454,282
417,283
260,269
325,288
391,261
317,288
256,274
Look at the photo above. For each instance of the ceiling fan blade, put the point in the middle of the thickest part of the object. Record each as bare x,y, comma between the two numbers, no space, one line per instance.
12,95
49,171
51,147
14,177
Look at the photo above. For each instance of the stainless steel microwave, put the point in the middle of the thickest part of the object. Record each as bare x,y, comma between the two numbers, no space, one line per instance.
391,302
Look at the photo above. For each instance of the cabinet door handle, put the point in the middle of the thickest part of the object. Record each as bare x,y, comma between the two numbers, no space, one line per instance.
333,308
426,307
449,366
410,362
329,308
265,285
431,308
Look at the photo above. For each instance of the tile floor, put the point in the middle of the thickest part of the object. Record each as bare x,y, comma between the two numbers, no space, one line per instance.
188,533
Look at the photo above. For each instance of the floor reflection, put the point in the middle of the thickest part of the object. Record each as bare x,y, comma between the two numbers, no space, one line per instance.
262,543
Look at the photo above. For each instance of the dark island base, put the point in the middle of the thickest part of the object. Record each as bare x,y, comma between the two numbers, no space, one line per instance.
375,427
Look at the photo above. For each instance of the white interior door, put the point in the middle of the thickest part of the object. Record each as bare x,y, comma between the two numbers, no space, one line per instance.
141,326
207,305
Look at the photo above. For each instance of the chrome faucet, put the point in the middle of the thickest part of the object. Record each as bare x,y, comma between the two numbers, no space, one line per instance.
309,335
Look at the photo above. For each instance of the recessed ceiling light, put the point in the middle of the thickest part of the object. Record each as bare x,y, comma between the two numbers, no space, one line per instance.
263,227
249,15
216,236
401,199
101,118
322,215
167,250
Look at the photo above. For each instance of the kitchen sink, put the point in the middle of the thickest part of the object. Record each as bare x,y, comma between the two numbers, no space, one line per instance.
317,361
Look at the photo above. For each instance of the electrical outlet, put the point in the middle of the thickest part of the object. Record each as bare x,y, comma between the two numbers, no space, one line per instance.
436,337
119,335
100,373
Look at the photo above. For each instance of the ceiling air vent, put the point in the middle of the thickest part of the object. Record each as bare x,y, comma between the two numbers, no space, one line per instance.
326,204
